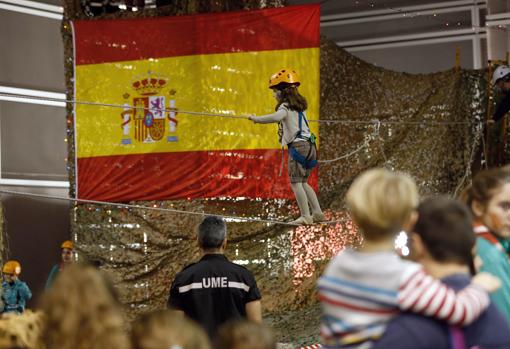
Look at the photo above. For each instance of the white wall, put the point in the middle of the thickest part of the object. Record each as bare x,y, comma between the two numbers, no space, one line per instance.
31,136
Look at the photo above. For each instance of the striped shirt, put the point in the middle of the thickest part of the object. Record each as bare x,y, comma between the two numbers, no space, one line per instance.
360,292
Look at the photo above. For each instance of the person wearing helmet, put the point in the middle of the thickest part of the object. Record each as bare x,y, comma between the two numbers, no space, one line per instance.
15,292
501,83
294,132
66,258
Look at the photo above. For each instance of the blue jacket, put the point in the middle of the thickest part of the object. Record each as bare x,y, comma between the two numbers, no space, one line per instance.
489,331
53,275
15,295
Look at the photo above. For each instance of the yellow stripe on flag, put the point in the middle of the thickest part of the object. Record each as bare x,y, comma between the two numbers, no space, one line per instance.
235,83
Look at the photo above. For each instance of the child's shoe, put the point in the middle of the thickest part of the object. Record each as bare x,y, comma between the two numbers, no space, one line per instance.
303,220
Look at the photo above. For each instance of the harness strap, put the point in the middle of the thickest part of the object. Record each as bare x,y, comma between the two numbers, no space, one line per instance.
300,122
304,161
301,118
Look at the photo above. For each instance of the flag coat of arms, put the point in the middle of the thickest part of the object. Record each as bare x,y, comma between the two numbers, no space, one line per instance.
133,143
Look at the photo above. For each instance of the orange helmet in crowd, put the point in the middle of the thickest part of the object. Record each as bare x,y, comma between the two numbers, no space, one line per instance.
67,244
12,267
284,75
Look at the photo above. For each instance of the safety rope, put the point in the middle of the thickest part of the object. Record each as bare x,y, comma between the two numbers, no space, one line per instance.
345,156
161,209
232,116
374,122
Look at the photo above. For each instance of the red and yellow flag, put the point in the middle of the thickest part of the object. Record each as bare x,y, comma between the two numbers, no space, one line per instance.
212,63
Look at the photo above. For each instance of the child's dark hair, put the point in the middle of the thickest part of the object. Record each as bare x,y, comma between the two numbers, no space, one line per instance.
290,95
444,225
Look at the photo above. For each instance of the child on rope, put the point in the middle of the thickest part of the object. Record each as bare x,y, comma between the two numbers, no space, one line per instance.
15,293
293,131
362,290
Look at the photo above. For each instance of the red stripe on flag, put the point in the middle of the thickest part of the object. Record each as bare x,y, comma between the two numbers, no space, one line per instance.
103,41
182,175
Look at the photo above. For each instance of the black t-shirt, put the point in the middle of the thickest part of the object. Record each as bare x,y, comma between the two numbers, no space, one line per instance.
213,291
502,107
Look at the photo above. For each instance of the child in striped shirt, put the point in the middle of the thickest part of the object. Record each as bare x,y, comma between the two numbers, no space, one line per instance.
362,290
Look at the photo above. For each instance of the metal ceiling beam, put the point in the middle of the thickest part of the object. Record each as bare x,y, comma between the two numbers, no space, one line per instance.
33,8
36,5
409,37
18,94
415,42
396,15
408,9
33,183
498,19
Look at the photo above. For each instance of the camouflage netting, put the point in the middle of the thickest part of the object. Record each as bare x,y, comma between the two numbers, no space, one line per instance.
429,127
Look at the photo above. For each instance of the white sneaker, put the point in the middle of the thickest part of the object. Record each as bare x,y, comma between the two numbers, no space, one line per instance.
318,217
303,220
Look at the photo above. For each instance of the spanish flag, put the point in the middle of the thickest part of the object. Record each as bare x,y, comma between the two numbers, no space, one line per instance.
136,145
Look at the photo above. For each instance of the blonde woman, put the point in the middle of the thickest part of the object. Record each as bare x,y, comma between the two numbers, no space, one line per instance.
362,290
166,329
82,312
20,331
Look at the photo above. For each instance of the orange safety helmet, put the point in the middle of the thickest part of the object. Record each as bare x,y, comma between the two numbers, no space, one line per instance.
67,244
285,75
12,267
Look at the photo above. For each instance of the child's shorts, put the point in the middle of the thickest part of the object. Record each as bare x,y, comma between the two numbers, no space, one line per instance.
297,173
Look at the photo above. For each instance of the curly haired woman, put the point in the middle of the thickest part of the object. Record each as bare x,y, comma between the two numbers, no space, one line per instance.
82,312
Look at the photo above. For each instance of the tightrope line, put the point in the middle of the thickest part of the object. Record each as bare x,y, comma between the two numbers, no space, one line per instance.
161,209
